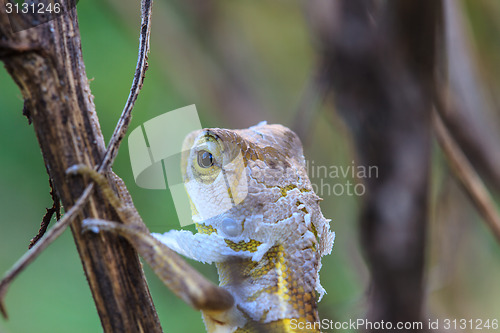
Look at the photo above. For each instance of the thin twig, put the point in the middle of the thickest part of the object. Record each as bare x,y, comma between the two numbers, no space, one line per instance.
108,159
468,176
49,237
140,71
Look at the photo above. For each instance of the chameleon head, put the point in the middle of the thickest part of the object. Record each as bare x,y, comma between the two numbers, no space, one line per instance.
234,174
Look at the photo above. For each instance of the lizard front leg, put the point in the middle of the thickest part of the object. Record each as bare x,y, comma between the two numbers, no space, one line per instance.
187,283
176,274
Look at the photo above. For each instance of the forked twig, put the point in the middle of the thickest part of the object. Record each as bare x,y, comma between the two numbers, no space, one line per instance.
140,71
109,156
467,176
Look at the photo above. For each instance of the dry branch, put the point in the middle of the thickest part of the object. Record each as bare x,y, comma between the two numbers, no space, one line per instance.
46,63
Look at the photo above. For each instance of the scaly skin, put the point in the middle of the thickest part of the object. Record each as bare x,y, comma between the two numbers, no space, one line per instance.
259,221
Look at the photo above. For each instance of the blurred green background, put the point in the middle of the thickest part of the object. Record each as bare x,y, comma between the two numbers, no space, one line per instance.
194,57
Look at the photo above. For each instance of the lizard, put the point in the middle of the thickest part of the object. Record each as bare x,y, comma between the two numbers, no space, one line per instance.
259,220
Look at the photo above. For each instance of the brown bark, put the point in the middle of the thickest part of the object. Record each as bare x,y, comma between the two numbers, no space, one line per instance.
46,63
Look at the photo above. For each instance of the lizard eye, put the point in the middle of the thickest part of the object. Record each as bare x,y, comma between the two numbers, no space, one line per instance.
205,159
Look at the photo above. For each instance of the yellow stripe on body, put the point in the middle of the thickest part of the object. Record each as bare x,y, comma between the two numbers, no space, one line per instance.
289,292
